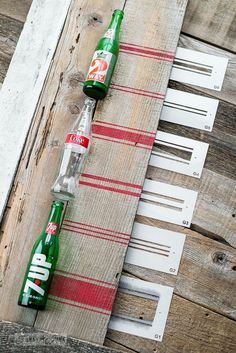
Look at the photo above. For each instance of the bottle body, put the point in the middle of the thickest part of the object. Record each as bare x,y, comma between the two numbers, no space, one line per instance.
42,262
76,148
104,60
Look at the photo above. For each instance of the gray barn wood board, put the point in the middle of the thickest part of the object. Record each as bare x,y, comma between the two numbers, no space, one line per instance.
212,21
85,23
17,338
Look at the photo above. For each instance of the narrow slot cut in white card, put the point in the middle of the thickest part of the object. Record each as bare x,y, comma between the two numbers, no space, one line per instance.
153,330
200,69
168,203
189,109
155,248
178,154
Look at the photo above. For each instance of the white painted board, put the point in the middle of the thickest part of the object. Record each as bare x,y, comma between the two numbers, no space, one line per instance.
23,83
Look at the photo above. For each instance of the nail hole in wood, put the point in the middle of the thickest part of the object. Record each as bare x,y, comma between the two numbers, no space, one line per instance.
206,314
234,268
233,215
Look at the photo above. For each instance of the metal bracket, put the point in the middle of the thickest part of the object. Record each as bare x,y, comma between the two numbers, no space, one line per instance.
168,203
152,330
155,248
200,69
168,160
189,109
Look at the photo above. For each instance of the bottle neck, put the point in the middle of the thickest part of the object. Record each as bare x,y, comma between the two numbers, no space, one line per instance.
53,223
113,29
83,123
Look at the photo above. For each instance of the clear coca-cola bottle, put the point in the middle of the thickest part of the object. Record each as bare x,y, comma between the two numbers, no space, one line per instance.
76,149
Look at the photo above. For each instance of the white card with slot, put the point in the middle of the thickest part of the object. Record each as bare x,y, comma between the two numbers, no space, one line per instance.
189,109
155,248
168,203
200,69
196,150
153,330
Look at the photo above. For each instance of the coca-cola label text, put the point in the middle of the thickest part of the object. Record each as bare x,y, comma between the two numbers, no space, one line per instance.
51,228
77,140
99,66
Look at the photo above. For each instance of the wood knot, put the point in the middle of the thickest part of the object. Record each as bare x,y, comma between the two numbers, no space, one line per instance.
95,19
219,258
76,79
74,109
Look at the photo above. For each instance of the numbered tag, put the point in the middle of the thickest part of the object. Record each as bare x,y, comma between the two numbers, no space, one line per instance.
167,203
155,248
178,154
189,109
153,330
200,69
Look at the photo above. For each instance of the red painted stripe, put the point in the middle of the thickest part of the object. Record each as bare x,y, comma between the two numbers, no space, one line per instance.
82,292
147,56
147,51
150,48
97,177
85,277
94,236
125,127
78,306
92,226
94,231
98,186
123,143
122,135
137,93
139,90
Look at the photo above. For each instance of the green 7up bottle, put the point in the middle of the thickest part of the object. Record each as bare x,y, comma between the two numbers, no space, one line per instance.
104,60
42,262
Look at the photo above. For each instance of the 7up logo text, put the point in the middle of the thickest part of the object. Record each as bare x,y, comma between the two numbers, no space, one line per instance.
38,271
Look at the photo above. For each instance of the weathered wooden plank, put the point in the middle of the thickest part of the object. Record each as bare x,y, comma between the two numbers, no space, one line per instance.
22,86
206,275
17,338
63,98
190,328
215,207
212,21
10,30
16,9
228,89
101,254
55,113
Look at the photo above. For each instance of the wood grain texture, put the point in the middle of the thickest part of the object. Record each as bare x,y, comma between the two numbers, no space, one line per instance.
102,260
16,338
16,9
190,329
112,180
221,156
212,21
228,89
23,84
206,274
10,30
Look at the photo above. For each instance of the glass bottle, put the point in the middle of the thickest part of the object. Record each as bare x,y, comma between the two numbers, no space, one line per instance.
76,149
104,60
42,262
